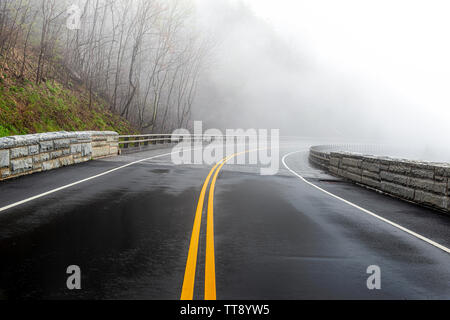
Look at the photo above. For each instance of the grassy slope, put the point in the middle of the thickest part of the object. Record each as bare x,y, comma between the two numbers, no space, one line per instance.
29,108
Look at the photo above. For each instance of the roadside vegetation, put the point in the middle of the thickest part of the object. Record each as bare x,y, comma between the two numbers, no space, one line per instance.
27,107
127,66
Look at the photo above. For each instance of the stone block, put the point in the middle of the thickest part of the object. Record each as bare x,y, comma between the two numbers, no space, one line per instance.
397,190
46,146
97,144
66,161
32,150
371,166
395,178
100,152
442,169
51,164
370,174
355,170
371,182
86,150
334,170
5,173
336,155
351,176
431,199
4,158
19,152
80,159
399,168
62,143
334,162
21,165
114,151
56,154
352,162
423,173
428,185
41,157
37,166
75,148
99,138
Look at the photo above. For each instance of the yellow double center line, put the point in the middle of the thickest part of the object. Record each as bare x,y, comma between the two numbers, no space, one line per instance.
191,264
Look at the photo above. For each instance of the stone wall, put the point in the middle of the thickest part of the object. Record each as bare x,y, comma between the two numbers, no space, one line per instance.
420,182
22,155
319,158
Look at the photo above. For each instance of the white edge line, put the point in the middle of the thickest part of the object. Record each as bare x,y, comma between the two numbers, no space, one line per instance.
81,181
85,180
429,241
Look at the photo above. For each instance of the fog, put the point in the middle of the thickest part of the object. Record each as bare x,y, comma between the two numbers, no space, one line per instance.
375,71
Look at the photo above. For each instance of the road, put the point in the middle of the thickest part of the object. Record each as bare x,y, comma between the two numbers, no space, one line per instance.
273,237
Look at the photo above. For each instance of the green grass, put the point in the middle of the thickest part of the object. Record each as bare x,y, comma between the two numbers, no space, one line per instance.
4,132
28,108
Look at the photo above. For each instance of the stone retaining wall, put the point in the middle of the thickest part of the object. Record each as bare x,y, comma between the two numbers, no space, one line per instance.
321,159
420,182
22,155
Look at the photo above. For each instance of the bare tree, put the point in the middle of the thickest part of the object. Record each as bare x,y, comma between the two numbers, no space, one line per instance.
143,57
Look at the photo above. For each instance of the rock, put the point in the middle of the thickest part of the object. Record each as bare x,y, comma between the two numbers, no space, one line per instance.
21,165
46,146
4,158
61,144
431,199
19,152
398,190
32,150
395,178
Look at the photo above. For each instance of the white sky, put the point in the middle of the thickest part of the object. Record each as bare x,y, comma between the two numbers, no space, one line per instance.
401,44
382,64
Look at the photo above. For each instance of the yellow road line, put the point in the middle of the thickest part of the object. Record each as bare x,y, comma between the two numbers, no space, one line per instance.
187,292
210,261
191,264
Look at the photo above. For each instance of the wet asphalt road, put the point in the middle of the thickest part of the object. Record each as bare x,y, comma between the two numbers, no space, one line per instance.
276,237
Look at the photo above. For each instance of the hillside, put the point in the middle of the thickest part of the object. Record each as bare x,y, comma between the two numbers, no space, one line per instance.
129,66
26,107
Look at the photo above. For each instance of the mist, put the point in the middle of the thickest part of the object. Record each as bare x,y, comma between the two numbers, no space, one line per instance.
355,71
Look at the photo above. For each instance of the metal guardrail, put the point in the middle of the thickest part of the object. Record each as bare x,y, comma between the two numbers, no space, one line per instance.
358,148
140,140
145,140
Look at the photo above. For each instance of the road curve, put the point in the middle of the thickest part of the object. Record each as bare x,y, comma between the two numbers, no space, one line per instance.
274,237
